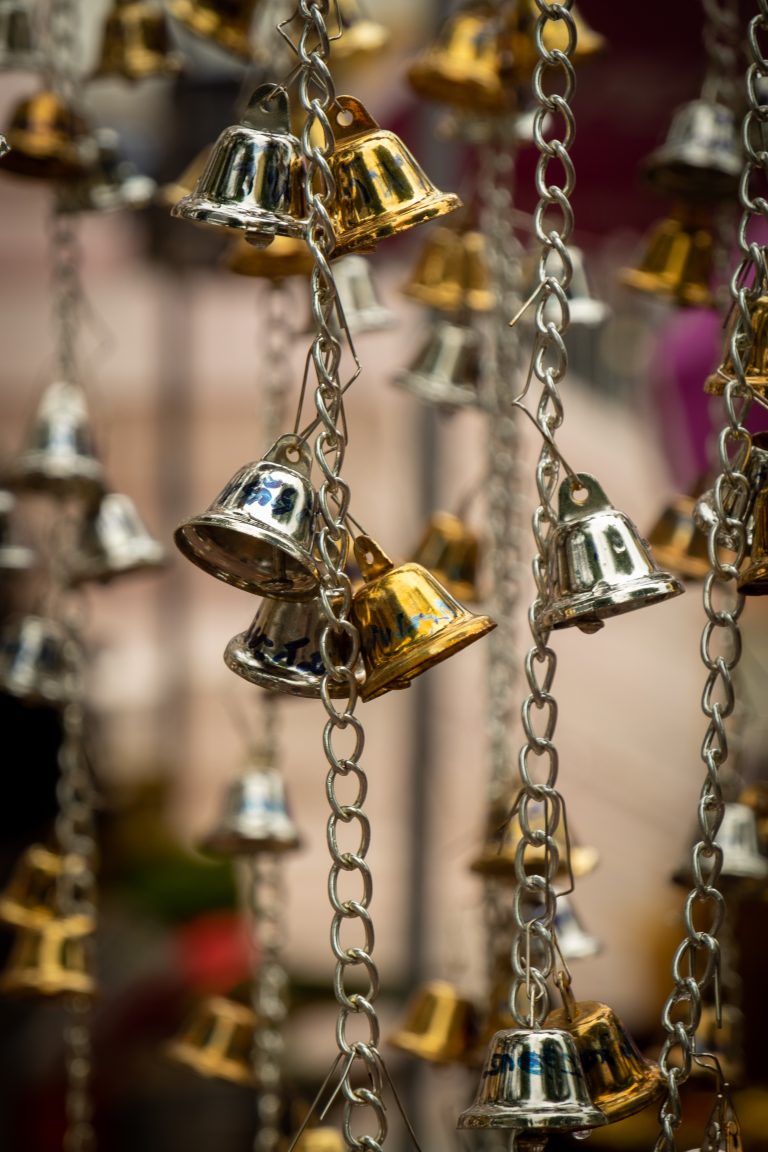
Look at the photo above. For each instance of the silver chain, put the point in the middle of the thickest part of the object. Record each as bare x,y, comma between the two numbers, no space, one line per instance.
722,42
696,964
266,900
553,224
66,287
62,49
350,912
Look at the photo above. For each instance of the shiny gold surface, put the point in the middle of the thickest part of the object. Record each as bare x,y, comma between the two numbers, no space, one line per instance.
29,898
440,1024
286,256
217,1041
136,43
678,542
451,551
170,194
361,36
228,24
677,264
48,140
503,834
50,959
756,369
451,273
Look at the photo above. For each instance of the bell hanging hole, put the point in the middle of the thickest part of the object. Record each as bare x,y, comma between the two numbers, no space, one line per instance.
344,117
579,493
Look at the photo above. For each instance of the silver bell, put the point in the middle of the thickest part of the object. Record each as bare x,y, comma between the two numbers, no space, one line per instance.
13,557
19,39
585,309
702,156
447,369
281,649
35,663
598,565
253,178
739,840
114,542
363,310
255,817
259,533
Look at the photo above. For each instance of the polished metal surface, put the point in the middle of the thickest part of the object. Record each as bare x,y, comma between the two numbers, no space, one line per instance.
678,262
216,1041
451,551
34,661
756,368
440,1024
451,273
114,542
255,818
702,156
678,542
447,369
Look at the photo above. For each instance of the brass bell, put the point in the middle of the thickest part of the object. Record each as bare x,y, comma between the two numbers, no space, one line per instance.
440,1024
451,551
756,369
407,620
113,542
226,23
598,565
59,458
447,370
738,838
19,38
361,36
136,42
532,1079
216,1041
753,578
702,156
620,1080
522,47
48,140
253,178
30,897
285,257
467,65
35,661
677,540
259,532
320,1139
280,650
678,261
504,832
14,557
380,189
255,818
168,195
738,505
50,959
113,184
451,273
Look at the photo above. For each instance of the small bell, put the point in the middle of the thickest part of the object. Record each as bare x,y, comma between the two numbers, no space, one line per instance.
14,557
723,1131
738,838
30,897
19,38
60,457
361,36
407,620
678,261
451,273
755,795
533,1080
620,1080
447,369
285,257
585,309
114,542
217,1040
756,369
35,661
320,1139
48,140
259,532
753,577
450,550
114,183
380,189
702,156
521,42
136,42
50,959
255,818
598,564
676,539
228,25
280,650
253,178
504,832
440,1024
358,295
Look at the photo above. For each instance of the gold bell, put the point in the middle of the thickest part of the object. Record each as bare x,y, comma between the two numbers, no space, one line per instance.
407,620
380,189
19,38
136,42
50,959
217,1041
451,273
598,564
702,156
14,557
253,178
756,369
59,458
678,261
48,140
256,816
523,53
361,36
677,540
259,532
504,832
753,578
169,194
30,897
228,25
467,65
532,1079
450,550
113,542
447,370
620,1080
755,795
285,257
440,1024
35,660
321,1139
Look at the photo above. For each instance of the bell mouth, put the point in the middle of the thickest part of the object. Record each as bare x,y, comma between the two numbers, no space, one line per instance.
452,298
587,610
240,658
228,842
451,85
41,471
201,210
368,233
554,1117
442,393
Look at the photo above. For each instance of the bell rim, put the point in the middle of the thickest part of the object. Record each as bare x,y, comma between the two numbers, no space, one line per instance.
562,1118
226,843
239,658
574,610
451,301
25,159
200,210
749,581
400,668
446,395
392,223
455,89
689,295
584,860
191,1057
40,471
303,557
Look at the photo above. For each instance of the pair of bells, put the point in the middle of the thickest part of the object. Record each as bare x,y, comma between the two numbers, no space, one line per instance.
254,178
136,42
216,1041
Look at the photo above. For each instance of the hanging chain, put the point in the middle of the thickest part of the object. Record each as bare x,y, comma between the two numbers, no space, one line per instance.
266,900
553,223
696,964
722,43
318,99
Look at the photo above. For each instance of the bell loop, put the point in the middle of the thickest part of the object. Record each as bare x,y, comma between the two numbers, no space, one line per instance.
371,558
268,110
352,119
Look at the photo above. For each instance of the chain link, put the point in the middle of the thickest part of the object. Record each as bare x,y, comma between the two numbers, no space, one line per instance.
266,900
342,726
697,961
553,87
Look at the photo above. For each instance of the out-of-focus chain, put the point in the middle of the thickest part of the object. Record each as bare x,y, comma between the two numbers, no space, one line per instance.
276,371
696,963
722,43
342,726
66,287
62,48
553,86
266,900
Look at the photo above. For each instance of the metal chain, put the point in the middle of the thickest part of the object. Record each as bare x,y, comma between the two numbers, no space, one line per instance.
66,286
696,964
342,726
722,42
63,48
266,900
276,363
553,224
